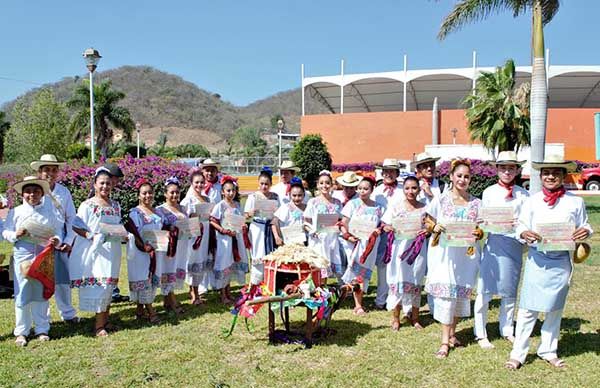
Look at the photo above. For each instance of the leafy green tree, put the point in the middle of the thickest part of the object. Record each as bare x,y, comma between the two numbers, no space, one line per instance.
39,128
311,155
248,142
124,147
191,151
77,151
107,113
4,126
498,114
543,11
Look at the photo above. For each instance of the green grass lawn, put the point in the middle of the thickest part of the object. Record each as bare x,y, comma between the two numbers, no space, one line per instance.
190,351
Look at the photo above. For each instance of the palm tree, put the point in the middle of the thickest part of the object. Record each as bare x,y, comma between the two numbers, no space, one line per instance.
498,114
4,125
543,11
106,111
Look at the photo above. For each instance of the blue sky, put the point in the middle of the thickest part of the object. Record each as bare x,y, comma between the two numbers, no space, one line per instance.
248,50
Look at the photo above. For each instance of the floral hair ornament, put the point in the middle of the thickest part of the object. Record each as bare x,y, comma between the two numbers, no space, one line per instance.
100,170
295,181
458,162
266,170
325,172
229,178
141,182
194,170
172,180
370,179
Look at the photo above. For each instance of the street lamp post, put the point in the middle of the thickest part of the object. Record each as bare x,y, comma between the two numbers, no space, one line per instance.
280,127
138,127
92,57
454,132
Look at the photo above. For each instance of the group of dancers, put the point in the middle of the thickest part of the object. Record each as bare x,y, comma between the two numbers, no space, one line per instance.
374,229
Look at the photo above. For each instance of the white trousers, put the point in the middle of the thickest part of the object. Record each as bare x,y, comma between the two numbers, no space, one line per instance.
382,286
505,319
34,313
62,296
549,339
430,303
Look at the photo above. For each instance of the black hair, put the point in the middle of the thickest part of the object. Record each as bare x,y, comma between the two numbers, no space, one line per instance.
411,178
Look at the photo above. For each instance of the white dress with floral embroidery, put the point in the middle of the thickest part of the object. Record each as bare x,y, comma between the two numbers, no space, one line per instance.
180,260
142,287
225,266
289,214
198,260
357,208
325,244
405,280
258,230
452,272
94,264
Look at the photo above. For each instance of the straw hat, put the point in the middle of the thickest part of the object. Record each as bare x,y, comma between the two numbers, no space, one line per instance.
555,161
582,252
32,180
289,165
209,163
349,179
46,160
392,164
423,157
507,157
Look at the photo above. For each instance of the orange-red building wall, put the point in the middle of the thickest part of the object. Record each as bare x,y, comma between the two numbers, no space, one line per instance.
358,137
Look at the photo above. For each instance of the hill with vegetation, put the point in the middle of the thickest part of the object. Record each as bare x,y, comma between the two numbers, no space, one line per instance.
166,103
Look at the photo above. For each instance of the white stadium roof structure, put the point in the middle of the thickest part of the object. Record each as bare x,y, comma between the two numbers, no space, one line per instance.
410,90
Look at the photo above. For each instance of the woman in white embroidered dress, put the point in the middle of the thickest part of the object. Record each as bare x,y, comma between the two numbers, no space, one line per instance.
290,213
453,269
95,260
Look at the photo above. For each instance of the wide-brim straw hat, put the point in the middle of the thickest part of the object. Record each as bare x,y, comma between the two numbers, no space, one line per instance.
555,161
349,179
209,163
507,157
289,165
582,252
32,180
423,157
46,160
391,164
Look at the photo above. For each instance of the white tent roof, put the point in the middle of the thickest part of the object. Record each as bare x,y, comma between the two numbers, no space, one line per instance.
568,87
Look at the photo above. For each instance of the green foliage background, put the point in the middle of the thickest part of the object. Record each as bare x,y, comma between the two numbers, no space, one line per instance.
311,155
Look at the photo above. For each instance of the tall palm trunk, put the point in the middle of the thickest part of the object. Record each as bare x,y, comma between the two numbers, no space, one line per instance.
539,98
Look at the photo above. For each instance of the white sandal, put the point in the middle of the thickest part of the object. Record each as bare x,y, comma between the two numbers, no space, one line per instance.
21,341
485,343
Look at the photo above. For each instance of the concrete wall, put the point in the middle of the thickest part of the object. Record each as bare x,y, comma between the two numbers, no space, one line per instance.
359,137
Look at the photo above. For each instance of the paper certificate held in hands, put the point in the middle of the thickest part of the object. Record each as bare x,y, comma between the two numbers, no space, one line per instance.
265,208
189,227
500,219
327,223
159,239
233,222
407,228
556,236
36,232
293,234
113,231
458,234
203,210
361,227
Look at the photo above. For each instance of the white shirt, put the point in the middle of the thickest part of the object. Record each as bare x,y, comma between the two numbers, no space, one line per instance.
44,214
339,194
63,201
384,199
435,190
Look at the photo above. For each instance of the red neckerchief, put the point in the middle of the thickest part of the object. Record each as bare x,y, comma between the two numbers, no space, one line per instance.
288,188
346,199
207,187
389,188
550,197
508,187
428,180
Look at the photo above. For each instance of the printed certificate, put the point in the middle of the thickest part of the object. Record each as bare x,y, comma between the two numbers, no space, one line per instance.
327,223
159,239
203,210
116,231
189,227
233,222
265,208
361,227
500,219
293,234
556,236
458,234
407,228
36,232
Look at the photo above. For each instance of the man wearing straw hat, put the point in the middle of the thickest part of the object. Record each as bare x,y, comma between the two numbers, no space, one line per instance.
384,195
557,214
424,168
47,168
502,255
287,171
212,186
